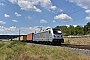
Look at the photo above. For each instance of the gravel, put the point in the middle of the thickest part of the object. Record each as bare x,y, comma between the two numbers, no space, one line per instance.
84,51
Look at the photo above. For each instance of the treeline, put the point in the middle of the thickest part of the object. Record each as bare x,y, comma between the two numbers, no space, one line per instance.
78,30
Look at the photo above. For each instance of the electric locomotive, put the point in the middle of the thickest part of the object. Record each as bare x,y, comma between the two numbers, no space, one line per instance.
51,35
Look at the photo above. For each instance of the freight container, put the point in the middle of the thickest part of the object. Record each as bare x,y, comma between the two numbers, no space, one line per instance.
30,36
17,38
34,37
13,39
23,37
9,39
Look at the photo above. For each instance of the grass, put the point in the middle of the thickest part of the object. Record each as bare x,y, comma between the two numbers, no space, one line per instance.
77,41
16,50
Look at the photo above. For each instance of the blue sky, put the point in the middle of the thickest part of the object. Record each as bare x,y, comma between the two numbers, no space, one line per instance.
15,14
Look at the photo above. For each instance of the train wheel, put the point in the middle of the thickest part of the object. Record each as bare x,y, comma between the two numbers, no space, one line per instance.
56,43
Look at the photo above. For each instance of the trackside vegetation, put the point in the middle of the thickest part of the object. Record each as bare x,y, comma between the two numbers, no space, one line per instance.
15,50
78,30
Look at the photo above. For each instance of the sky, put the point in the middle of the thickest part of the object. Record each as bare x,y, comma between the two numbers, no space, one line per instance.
28,15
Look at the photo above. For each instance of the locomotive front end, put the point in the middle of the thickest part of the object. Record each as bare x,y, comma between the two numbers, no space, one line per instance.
57,36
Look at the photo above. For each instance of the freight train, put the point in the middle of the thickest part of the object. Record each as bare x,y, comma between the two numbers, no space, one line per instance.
49,35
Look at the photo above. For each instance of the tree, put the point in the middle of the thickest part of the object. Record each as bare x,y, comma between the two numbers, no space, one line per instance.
71,30
64,29
87,28
78,30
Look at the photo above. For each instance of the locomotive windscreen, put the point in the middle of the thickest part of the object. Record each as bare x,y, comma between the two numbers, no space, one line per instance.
57,31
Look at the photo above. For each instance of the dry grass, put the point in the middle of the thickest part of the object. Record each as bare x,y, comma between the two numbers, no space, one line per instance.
77,41
22,51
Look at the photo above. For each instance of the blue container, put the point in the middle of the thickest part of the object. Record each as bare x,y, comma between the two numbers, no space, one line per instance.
34,39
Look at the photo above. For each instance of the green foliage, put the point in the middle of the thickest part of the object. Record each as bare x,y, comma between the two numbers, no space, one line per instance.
78,30
87,28
64,29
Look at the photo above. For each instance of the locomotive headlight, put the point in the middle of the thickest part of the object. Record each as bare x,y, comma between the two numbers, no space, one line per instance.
61,35
54,36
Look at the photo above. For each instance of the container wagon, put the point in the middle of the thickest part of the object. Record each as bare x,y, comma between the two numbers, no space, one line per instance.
23,38
31,37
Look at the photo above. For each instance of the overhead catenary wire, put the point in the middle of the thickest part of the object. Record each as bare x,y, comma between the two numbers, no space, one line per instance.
75,10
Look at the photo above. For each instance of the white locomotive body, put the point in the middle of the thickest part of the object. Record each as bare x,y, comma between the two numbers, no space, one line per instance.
50,35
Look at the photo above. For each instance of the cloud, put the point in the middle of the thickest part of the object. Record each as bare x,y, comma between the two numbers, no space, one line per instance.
31,5
29,17
13,30
17,14
82,3
43,21
15,21
87,18
75,25
2,22
61,10
71,25
13,27
13,1
28,6
6,15
87,11
67,25
63,17
47,4
2,4
54,21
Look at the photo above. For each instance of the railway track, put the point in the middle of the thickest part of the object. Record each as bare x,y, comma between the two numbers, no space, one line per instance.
87,47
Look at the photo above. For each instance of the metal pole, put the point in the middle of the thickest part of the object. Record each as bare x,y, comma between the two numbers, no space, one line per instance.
19,35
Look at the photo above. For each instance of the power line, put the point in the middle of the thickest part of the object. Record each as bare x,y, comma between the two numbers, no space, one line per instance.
80,18
76,11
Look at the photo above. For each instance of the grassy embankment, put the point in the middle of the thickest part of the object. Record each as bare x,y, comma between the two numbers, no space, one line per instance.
22,51
77,41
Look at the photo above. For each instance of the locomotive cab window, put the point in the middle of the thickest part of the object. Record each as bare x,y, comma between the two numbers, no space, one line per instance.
57,31
49,32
